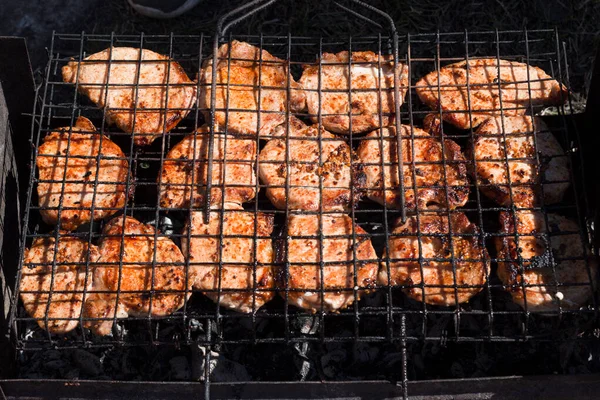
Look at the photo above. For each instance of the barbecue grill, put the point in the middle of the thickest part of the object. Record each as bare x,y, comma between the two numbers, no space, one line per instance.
385,336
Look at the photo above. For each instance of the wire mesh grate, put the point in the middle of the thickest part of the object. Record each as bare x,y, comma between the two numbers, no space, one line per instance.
386,315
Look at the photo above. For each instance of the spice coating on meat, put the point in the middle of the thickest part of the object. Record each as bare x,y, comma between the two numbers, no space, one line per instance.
239,253
339,254
240,73
141,265
514,141
60,290
185,170
365,88
433,254
81,157
544,255
437,185
313,156
492,86
145,94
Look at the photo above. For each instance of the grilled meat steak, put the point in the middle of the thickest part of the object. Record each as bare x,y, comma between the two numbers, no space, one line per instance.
53,281
312,156
135,263
146,95
437,185
361,83
514,141
94,170
340,255
185,169
241,70
492,86
245,286
429,259
547,265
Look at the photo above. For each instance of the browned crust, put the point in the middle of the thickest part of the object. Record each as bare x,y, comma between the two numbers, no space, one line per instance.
457,188
176,185
148,125
237,254
365,107
340,163
140,246
527,264
339,251
472,261
68,281
245,69
77,206
456,102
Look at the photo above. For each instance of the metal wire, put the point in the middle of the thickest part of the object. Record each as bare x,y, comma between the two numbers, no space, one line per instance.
400,321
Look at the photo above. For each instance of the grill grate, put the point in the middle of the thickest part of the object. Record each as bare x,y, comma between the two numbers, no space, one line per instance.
386,317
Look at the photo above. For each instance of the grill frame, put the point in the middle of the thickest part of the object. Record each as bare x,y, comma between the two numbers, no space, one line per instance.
403,338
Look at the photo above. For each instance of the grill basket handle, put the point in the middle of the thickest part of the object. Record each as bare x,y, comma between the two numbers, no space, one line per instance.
233,17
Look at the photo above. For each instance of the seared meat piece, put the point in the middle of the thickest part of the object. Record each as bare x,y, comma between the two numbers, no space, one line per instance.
185,170
81,155
535,266
437,248
518,136
433,188
238,84
517,83
136,267
306,163
243,287
60,290
340,256
296,127
370,79
142,110
101,310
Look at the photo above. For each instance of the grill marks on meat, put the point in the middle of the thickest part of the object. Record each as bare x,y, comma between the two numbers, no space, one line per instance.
243,287
150,274
338,252
59,289
306,164
429,171
511,84
145,98
185,169
542,257
442,239
79,155
240,72
370,79
521,136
